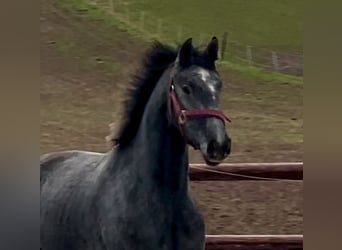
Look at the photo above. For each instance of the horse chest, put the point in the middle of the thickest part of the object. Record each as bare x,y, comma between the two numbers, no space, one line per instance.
149,225
181,230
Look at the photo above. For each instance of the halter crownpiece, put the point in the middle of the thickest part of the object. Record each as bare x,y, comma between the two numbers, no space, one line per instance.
181,115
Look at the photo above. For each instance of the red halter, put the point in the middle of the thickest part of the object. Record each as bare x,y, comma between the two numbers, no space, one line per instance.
181,115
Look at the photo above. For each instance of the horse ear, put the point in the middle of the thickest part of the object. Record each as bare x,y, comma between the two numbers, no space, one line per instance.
184,57
212,49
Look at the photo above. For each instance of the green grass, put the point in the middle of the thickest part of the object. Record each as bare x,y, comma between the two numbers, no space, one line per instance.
99,12
261,74
273,24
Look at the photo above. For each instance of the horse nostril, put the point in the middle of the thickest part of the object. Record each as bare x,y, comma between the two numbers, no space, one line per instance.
213,147
216,150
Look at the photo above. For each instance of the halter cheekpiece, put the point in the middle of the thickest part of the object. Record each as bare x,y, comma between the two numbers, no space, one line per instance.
181,115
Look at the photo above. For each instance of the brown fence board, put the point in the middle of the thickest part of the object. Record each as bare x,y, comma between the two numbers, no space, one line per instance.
247,171
253,242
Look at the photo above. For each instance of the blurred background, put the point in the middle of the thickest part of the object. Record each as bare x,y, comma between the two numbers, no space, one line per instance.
91,48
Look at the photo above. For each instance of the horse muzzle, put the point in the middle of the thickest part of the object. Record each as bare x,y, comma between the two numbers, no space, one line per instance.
215,151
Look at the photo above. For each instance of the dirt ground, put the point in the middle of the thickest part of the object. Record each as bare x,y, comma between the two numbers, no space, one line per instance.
84,68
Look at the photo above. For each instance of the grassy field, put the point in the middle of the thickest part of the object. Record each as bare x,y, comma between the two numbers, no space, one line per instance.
126,18
264,23
86,63
273,24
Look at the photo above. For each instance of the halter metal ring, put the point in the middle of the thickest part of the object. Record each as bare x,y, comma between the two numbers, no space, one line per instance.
182,117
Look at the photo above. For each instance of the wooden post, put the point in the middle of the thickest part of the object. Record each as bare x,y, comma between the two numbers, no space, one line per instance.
249,55
142,20
201,39
127,14
111,6
180,34
224,45
275,60
160,28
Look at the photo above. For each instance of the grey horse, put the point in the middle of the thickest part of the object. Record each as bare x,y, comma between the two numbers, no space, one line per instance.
136,197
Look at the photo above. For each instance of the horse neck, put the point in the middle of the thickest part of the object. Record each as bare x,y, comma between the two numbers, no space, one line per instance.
164,159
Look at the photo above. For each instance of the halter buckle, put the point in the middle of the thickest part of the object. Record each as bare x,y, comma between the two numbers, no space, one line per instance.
182,117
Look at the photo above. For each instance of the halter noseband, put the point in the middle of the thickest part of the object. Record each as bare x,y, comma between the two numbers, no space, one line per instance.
181,115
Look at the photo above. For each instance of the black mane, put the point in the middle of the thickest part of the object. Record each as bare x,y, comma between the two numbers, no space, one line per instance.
155,62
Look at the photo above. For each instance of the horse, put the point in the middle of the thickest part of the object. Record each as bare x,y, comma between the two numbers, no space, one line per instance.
136,195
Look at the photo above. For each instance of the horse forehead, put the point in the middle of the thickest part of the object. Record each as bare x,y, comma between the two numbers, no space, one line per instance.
209,77
203,73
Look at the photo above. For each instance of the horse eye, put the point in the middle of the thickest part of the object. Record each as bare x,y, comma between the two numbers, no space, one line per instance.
186,89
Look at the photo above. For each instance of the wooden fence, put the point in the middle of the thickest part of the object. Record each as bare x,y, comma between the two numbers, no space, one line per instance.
256,172
247,171
253,242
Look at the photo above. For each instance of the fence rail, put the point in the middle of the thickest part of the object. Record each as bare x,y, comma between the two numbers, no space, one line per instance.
254,242
247,171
